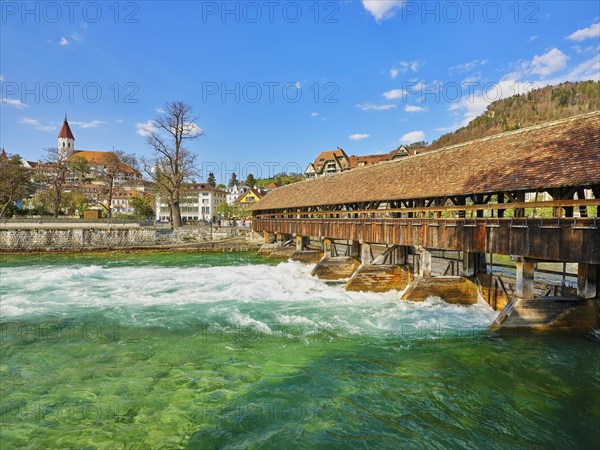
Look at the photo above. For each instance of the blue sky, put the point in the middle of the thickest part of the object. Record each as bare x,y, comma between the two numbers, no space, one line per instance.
275,83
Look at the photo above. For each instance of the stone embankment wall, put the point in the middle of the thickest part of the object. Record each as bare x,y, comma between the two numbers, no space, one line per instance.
89,238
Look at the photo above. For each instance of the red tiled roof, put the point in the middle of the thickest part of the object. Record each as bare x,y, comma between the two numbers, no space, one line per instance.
205,187
95,157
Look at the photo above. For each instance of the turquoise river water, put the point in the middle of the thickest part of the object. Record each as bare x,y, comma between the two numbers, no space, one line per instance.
197,350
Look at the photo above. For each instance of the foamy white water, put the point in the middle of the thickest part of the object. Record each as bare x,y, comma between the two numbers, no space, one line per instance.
253,295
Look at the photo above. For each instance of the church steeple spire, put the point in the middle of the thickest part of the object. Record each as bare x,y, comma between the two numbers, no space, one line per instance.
66,140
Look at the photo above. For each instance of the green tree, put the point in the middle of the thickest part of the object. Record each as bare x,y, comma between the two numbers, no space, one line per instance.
80,165
142,205
221,186
250,180
211,179
74,202
233,181
14,182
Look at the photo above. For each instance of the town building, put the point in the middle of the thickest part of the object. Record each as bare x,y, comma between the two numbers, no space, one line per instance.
198,202
330,162
250,197
97,160
234,192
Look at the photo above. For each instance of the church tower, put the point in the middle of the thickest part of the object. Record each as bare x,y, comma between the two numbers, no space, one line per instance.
66,141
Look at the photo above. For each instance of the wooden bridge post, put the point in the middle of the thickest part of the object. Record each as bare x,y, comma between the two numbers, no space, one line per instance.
327,247
302,242
365,254
269,237
425,266
587,280
525,277
355,249
473,263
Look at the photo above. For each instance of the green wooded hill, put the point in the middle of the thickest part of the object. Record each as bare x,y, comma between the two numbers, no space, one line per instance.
519,111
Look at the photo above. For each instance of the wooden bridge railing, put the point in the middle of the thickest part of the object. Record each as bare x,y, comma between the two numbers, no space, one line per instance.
549,239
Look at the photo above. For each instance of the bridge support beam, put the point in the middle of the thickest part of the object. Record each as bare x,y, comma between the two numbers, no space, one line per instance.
302,242
588,276
383,273
450,289
549,314
524,275
380,278
335,267
283,237
303,254
365,254
269,237
327,247
473,263
425,265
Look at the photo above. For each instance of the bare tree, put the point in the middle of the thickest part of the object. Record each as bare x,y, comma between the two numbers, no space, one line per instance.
173,163
55,169
115,165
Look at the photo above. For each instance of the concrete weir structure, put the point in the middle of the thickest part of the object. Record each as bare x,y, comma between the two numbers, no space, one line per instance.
532,195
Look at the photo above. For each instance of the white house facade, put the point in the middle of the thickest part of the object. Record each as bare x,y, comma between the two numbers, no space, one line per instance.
198,202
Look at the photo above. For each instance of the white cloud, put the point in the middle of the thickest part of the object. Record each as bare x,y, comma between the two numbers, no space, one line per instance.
474,78
143,129
64,41
358,136
373,107
119,120
92,124
550,62
526,76
405,66
593,31
192,128
382,9
315,114
533,37
1,77
468,66
413,136
298,85
413,108
587,70
394,94
589,48
77,38
15,102
37,125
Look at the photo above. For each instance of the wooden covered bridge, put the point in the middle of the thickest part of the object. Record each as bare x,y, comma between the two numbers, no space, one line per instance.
531,194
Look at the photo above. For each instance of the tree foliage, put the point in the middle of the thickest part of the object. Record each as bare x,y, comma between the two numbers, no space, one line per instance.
142,205
250,180
535,107
14,182
211,179
233,181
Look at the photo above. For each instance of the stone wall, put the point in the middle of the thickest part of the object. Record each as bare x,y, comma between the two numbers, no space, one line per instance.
65,239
